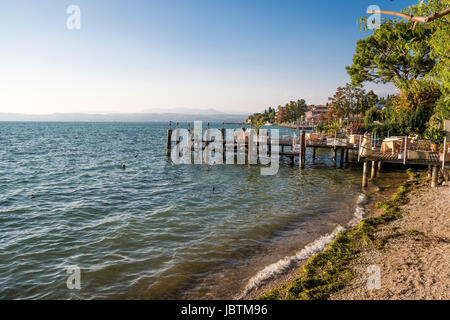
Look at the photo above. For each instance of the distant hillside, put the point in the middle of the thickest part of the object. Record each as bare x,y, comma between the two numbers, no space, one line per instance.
184,111
124,117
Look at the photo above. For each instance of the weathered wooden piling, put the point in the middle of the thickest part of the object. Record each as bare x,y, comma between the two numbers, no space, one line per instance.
365,174
257,146
444,151
189,142
169,140
405,151
341,164
434,176
373,172
378,167
224,141
314,154
302,150
335,157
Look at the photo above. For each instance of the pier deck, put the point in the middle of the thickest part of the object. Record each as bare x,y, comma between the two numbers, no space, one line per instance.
376,158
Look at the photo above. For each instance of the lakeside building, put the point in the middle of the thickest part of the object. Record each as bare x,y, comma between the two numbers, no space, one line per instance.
315,113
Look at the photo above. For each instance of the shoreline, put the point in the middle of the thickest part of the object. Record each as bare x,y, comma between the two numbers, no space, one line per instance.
412,254
405,237
380,190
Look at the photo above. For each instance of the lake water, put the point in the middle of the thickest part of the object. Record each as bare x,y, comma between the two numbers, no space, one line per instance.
154,230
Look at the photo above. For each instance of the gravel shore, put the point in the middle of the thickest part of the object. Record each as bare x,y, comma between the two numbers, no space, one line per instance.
414,255
386,185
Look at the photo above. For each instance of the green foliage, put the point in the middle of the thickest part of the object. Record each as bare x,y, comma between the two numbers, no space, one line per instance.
333,127
389,113
372,115
438,42
258,123
416,60
435,135
295,110
416,104
442,110
351,100
393,53
386,129
327,272
267,116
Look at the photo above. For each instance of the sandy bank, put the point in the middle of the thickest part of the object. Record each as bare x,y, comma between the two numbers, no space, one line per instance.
385,186
415,253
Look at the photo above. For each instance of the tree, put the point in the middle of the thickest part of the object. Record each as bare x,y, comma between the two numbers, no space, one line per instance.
416,105
351,100
372,115
295,110
393,53
440,51
258,123
415,58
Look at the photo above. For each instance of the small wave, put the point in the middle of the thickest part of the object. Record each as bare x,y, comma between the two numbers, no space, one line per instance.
317,245
360,211
282,265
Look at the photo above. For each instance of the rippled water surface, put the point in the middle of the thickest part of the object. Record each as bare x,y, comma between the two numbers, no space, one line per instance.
154,230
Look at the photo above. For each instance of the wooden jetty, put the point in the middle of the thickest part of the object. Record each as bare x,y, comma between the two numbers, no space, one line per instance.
371,164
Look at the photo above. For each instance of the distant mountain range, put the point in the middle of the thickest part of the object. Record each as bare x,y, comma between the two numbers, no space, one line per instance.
183,111
202,115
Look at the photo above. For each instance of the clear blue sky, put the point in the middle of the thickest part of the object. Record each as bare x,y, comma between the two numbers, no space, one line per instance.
130,56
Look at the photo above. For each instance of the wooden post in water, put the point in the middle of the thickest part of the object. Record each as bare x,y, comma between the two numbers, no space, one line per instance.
346,155
224,142
269,145
304,147
207,134
189,142
334,157
434,176
341,164
373,172
257,146
169,140
302,150
378,167
365,173
249,151
430,169
314,154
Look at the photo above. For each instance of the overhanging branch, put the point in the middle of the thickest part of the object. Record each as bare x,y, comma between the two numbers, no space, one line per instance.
416,19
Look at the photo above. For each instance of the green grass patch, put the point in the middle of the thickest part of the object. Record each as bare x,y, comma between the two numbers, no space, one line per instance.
415,233
329,271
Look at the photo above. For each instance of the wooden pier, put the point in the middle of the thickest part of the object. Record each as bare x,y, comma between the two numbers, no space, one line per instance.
371,164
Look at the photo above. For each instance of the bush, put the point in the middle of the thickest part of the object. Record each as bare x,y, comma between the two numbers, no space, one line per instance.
387,129
435,135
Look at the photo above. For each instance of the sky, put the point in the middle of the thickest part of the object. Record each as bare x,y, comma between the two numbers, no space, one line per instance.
235,56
